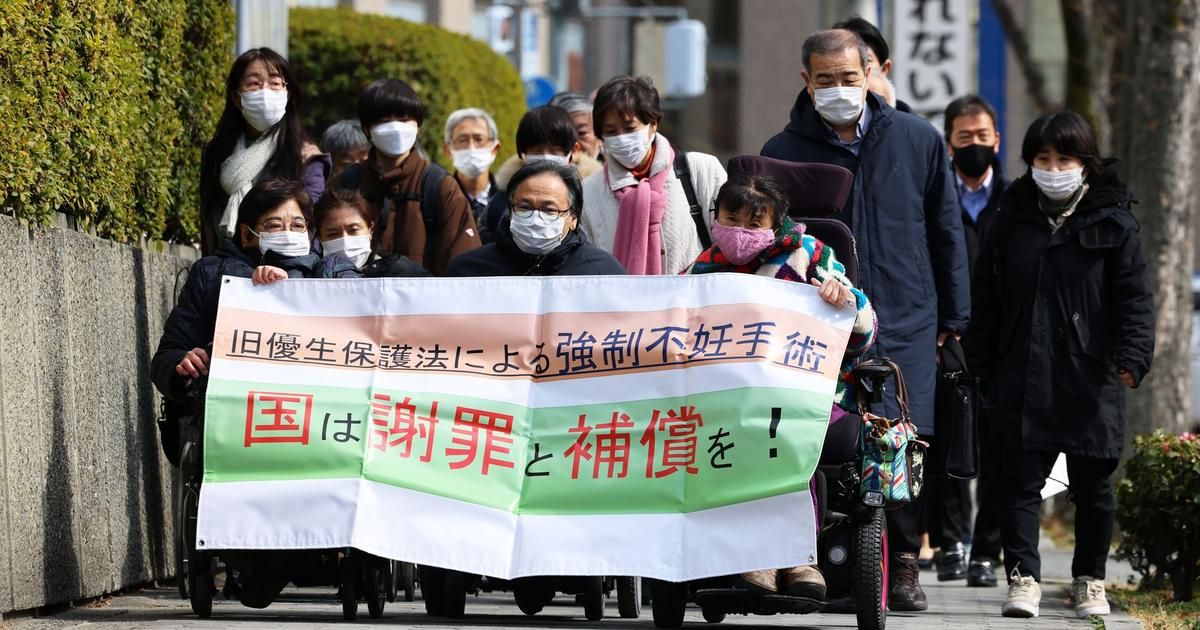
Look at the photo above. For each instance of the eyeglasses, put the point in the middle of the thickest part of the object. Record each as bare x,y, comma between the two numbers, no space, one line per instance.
254,85
475,142
277,225
548,214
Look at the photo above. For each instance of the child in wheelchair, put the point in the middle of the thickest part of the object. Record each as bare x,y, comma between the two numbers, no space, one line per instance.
752,233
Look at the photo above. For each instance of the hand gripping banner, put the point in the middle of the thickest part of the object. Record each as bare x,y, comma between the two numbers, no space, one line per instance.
657,426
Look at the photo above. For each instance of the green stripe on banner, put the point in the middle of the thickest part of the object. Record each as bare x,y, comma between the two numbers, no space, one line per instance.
665,455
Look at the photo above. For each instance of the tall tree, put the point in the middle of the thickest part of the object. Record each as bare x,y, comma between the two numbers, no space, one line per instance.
1157,115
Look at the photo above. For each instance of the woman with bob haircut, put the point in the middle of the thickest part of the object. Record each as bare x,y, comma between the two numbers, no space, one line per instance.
1063,324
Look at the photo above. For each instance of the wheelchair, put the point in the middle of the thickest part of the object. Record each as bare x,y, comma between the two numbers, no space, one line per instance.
445,592
852,546
357,575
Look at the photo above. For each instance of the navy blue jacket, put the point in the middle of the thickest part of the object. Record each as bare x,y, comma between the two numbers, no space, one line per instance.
574,257
194,319
907,224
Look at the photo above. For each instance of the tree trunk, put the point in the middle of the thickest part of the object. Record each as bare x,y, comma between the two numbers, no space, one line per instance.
1035,80
1159,111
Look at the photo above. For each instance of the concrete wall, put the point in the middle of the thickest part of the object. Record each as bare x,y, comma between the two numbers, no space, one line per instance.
85,494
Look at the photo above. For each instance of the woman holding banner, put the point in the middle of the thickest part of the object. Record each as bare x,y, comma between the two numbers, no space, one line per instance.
752,233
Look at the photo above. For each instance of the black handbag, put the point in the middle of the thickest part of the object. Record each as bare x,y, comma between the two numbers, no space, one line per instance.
955,449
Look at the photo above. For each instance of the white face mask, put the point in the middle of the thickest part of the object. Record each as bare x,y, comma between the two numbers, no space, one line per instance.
838,105
356,248
547,157
473,162
629,149
1058,185
394,138
264,108
535,235
286,243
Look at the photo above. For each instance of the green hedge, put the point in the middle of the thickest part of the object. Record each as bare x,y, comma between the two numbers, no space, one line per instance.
105,106
336,53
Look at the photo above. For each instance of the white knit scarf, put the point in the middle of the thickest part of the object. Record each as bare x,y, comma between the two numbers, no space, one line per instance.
239,170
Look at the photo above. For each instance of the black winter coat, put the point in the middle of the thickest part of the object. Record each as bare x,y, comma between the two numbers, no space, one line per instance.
1058,314
975,230
574,257
907,225
391,266
194,319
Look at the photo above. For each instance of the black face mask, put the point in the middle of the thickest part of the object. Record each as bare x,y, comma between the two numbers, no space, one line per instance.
974,159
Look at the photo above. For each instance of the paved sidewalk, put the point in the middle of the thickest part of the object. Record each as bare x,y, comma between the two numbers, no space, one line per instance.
952,606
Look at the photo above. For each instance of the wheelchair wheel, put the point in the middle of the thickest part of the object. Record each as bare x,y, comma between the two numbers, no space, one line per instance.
629,597
407,580
455,594
181,548
349,567
593,599
528,596
669,603
869,572
375,586
200,584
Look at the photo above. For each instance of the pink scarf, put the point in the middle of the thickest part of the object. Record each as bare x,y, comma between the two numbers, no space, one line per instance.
638,243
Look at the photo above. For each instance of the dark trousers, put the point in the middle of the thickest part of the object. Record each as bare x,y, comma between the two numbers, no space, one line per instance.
1089,488
948,515
904,526
985,538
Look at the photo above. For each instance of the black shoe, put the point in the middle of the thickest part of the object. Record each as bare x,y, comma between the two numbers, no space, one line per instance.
982,572
952,563
904,592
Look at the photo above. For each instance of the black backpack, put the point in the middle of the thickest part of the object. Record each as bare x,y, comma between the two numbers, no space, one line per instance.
431,186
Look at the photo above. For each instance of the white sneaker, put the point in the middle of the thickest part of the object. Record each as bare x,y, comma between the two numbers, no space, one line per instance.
1024,597
1089,597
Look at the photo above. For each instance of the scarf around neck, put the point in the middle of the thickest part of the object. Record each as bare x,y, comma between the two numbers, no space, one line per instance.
638,241
239,171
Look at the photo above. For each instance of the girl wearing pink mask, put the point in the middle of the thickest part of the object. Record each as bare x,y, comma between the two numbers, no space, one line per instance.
752,233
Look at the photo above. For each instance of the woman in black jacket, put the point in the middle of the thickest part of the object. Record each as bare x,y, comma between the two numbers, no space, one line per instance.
1063,323
272,229
540,236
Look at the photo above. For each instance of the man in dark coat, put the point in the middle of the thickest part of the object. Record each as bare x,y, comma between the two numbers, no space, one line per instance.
541,236
973,139
906,221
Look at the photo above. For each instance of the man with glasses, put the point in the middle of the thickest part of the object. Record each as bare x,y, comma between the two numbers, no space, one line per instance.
472,143
540,236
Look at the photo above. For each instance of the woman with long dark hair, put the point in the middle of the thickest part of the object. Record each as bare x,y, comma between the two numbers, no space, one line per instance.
259,136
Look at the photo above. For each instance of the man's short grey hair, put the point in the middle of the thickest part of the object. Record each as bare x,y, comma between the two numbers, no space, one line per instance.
831,41
471,113
573,102
344,136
